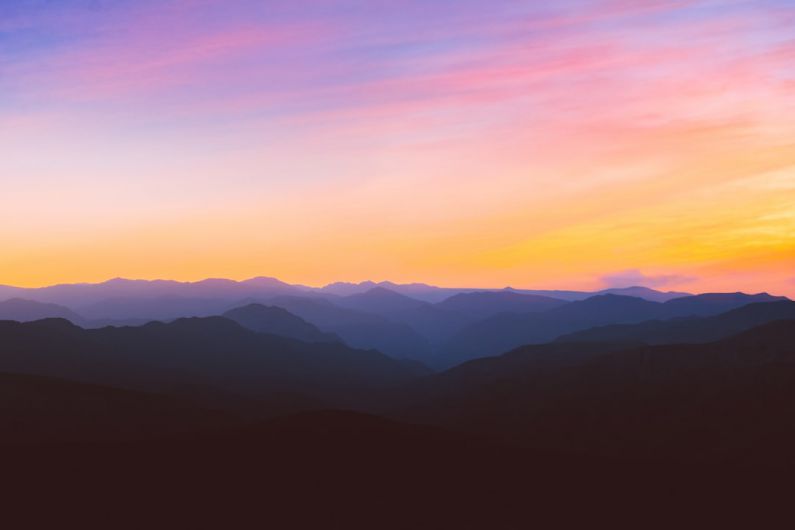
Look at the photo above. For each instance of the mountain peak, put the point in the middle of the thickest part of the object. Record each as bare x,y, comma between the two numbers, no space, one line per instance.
646,293
379,300
277,321
265,281
53,324
382,290
24,310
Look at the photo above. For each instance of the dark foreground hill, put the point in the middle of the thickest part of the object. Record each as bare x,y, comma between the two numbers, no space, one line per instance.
730,399
343,470
213,360
41,410
565,433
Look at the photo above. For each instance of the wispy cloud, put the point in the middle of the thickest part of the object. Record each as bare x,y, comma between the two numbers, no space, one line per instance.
634,278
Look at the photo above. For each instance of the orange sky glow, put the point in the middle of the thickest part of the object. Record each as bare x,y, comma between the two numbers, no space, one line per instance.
474,143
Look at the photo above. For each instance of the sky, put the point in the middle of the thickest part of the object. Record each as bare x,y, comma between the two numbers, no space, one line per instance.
569,144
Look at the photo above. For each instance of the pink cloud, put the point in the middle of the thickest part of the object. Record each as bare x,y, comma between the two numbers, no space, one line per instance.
134,65
146,50
558,69
634,277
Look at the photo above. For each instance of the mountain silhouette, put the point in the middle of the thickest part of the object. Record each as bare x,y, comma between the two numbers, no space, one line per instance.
22,310
434,323
42,409
418,291
504,332
507,331
378,300
686,402
78,296
212,353
646,293
687,330
431,321
358,328
434,294
714,303
484,304
156,308
278,321
605,307
348,288
164,420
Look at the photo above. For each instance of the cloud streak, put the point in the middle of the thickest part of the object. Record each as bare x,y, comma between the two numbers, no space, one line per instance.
635,278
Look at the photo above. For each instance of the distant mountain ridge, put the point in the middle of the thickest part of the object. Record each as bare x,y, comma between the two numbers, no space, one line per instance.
501,333
78,295
434,294
435,325
379,300
482,304
21,310
645,293
690,329
84,294
359,329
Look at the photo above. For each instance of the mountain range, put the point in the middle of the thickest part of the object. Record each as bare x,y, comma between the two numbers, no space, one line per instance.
506,331
278,321
689,329
461,325
211,360
464,411
84,295
608,399
724,399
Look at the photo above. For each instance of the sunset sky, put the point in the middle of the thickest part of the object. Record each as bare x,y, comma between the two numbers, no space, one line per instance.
538,144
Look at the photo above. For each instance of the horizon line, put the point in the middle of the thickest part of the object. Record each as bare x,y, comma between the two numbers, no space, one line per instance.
353,283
